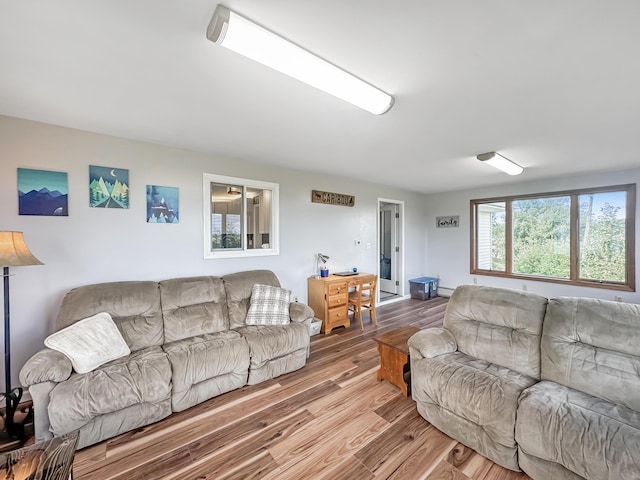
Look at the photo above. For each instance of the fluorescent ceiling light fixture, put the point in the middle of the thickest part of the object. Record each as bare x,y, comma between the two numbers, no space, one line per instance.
242,36
501,163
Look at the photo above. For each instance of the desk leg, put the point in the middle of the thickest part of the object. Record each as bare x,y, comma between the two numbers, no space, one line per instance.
394,365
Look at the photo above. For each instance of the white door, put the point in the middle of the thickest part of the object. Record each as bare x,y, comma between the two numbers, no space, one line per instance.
389,248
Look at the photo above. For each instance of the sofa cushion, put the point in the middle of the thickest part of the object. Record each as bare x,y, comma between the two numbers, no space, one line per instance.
90,342
267,342
269,305
539,469
193,306
498,325
142,377
198,359
127,419
587,435
275,349
206,356
133,306
483,393
592,345
239,287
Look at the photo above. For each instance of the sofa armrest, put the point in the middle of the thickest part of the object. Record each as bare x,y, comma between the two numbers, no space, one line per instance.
40,398
46,366
432,342
299,312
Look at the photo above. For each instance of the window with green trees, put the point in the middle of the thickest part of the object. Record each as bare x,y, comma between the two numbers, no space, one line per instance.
582,237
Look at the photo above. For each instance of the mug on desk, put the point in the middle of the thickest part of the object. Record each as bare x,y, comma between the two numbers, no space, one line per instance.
324,272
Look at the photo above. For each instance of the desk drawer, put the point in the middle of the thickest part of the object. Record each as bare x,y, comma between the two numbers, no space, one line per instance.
336,300
337,316
337,288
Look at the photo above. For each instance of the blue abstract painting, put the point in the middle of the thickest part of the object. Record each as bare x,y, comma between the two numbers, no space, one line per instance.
162,204
42,192
108,187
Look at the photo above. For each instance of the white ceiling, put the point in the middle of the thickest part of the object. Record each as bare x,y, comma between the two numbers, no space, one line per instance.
552,84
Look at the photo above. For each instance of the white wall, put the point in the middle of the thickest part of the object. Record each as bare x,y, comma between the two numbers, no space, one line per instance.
449,248
100,245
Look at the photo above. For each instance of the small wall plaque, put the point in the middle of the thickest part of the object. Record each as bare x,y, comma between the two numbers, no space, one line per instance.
452,221
329,198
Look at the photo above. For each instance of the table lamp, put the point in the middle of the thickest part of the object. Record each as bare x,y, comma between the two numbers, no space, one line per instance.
320,258
13,253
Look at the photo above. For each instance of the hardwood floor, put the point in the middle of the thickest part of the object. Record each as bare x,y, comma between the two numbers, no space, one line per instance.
329,420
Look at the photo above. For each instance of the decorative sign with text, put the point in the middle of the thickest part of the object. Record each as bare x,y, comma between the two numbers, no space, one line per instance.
448,222
329,198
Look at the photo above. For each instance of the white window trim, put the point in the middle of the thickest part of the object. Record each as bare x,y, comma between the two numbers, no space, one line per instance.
274,235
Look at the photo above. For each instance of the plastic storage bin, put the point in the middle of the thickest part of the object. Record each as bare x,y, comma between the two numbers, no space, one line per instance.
314,328
424,288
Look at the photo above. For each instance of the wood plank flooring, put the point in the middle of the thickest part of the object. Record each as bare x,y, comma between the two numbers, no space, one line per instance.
329,420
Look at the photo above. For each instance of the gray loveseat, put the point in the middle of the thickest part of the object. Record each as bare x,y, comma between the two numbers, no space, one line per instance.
188,341
550,387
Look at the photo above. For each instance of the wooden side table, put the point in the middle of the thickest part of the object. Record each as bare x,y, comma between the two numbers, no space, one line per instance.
394,357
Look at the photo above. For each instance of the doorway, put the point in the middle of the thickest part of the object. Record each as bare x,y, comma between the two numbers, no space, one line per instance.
390,251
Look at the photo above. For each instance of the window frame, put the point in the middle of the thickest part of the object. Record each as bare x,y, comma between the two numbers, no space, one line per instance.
244,252
630,271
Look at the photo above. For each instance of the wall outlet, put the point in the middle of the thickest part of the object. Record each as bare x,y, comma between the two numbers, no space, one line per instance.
295,299
368,245
475,281
524,287
357,243
618,298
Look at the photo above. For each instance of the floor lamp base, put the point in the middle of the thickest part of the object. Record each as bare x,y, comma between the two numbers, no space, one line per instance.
14,425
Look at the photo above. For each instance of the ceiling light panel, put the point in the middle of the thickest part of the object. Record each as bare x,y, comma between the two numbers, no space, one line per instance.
236,33
501,163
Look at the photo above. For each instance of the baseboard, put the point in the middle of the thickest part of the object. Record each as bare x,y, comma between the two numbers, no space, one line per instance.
392,300
445,291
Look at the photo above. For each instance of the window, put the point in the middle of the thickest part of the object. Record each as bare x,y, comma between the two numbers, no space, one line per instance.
491,236
240,217
581,237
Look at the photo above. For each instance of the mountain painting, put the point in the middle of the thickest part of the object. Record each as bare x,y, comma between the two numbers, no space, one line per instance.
162,204
42,192
108,187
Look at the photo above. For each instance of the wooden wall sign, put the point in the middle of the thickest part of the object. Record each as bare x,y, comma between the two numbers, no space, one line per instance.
452,221
333,198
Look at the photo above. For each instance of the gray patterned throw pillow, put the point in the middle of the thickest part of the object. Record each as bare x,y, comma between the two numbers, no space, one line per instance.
268,306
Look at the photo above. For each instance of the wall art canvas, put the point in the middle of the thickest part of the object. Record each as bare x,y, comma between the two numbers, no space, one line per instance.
108,187
42,192
162,204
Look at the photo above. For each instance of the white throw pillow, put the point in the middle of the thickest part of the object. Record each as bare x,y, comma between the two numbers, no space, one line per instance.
269,306
89,342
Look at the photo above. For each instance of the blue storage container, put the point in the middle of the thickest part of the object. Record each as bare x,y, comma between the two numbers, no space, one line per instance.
424,288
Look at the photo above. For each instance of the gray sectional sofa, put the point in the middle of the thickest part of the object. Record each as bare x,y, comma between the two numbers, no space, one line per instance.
188,342
550,387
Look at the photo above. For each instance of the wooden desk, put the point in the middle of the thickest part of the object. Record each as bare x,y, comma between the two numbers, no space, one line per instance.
329,296
394,357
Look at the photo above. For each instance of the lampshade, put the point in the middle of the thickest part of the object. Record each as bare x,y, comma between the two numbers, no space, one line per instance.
323,258
14,252
501,163
242,36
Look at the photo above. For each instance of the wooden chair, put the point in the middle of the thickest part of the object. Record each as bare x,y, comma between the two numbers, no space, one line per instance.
47,460
363,297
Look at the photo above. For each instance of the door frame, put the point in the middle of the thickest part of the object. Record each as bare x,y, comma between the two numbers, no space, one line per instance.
399,267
